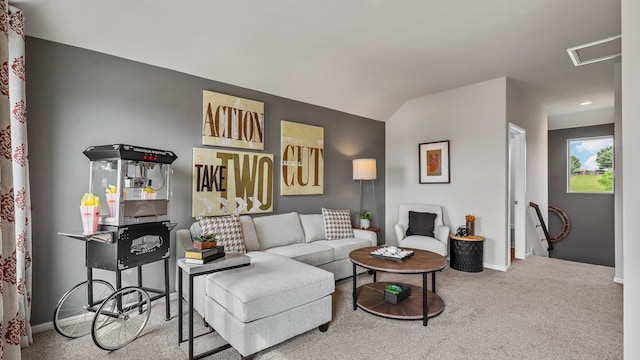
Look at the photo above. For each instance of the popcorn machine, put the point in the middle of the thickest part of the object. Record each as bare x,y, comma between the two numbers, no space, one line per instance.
133,230
134,182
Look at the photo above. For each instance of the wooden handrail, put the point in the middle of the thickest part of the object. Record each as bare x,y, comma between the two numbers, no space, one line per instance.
543,225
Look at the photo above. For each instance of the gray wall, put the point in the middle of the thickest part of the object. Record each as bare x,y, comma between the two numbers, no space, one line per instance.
77,98
591,239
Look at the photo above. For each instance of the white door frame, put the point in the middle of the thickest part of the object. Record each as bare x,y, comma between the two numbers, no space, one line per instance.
517,197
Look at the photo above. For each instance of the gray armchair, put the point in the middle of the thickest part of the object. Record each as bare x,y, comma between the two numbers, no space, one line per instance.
439,243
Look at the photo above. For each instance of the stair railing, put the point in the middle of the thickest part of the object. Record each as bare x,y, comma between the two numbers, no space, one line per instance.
543,226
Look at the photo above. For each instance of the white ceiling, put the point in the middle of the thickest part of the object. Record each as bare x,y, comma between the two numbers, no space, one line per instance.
365,57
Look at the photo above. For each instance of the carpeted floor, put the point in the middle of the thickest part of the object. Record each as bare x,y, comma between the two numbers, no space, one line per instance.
540,309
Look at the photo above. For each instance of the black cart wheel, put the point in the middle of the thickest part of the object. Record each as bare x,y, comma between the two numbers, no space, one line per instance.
74,313
121,318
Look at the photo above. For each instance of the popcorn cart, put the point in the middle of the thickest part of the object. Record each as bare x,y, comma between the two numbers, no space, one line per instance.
133,230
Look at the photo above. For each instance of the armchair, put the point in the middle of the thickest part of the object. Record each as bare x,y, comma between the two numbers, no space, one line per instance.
439,243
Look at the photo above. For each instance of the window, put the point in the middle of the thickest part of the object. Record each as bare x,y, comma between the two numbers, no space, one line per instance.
590,165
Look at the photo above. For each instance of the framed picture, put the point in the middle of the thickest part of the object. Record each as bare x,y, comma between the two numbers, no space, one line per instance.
302,153
231,182
433,159
232,121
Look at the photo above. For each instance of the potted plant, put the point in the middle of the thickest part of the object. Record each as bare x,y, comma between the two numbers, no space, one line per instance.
365,219
207,241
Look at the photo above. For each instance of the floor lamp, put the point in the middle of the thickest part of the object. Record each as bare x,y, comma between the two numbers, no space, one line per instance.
365,169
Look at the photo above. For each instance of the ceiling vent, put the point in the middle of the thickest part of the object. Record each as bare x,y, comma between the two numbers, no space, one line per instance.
596,51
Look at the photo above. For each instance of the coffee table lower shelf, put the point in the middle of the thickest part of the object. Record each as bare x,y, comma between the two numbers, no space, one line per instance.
369,298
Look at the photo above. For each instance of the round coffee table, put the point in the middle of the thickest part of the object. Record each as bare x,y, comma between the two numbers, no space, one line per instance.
421,304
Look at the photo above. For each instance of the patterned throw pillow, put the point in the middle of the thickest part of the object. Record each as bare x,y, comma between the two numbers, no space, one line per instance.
227,229
337,224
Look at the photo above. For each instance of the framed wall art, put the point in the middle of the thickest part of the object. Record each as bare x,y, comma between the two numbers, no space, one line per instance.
433,159
231,182
232,121
302,151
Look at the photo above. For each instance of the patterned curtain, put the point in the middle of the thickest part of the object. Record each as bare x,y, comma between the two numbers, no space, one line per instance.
15,198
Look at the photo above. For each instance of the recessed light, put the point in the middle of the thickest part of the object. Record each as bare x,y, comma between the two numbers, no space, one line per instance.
586,103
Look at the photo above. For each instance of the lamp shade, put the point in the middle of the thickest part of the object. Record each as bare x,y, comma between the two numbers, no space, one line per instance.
364,169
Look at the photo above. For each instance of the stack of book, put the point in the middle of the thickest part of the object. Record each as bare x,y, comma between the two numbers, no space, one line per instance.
202,256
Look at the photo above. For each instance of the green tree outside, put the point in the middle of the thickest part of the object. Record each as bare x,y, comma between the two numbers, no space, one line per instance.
606,180
604,158
575,164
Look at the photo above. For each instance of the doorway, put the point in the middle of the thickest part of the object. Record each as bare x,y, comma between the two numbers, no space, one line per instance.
517,190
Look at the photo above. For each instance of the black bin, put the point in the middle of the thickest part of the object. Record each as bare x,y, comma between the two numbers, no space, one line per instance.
466,255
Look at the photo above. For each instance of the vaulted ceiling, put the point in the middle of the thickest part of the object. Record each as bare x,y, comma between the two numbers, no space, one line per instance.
365,57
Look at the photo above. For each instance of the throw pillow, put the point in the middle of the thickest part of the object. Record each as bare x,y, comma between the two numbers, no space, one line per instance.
227,229
421,223
278,230
337,224
313,226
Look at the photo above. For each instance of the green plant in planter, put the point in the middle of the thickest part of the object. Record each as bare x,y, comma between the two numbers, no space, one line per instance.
207,241
393,289
205,238
366,215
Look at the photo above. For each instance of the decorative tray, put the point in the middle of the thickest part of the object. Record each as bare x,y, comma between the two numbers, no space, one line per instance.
391,253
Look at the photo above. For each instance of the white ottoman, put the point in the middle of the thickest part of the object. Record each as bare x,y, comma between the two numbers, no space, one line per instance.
268,302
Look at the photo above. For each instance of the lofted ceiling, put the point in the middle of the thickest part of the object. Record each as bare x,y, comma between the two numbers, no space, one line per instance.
365,57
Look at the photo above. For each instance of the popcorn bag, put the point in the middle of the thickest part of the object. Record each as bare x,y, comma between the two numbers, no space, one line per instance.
90,213
90,216
112,202
148,194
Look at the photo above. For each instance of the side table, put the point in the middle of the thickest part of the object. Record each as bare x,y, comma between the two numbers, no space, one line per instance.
375,230
228,262
466,253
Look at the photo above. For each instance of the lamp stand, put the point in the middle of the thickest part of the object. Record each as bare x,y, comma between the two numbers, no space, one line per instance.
375,202
360,203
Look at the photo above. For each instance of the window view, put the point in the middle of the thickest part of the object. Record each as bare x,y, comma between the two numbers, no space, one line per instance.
590,165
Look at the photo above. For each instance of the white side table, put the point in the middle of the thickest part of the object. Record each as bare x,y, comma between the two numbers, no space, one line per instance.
228,262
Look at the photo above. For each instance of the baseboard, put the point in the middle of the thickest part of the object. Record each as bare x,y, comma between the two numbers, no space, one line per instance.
49,325
495,267
42,327
528,255
618,280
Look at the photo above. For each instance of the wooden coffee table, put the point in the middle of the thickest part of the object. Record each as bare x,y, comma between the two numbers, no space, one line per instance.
421,304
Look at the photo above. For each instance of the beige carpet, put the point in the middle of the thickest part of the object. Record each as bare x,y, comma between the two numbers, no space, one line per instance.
540,309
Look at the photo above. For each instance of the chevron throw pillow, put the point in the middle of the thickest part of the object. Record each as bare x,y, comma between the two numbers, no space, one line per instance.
227,229
337,224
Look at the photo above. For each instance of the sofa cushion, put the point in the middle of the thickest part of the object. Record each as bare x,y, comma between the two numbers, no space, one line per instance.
421,223
312,254
278,230
342,247
270,285
227,229
337,224
251,242
313,226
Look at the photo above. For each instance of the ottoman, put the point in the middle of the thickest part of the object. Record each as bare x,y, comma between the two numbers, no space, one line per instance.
268,302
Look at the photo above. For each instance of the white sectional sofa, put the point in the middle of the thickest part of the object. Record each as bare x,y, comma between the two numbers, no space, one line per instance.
287,288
